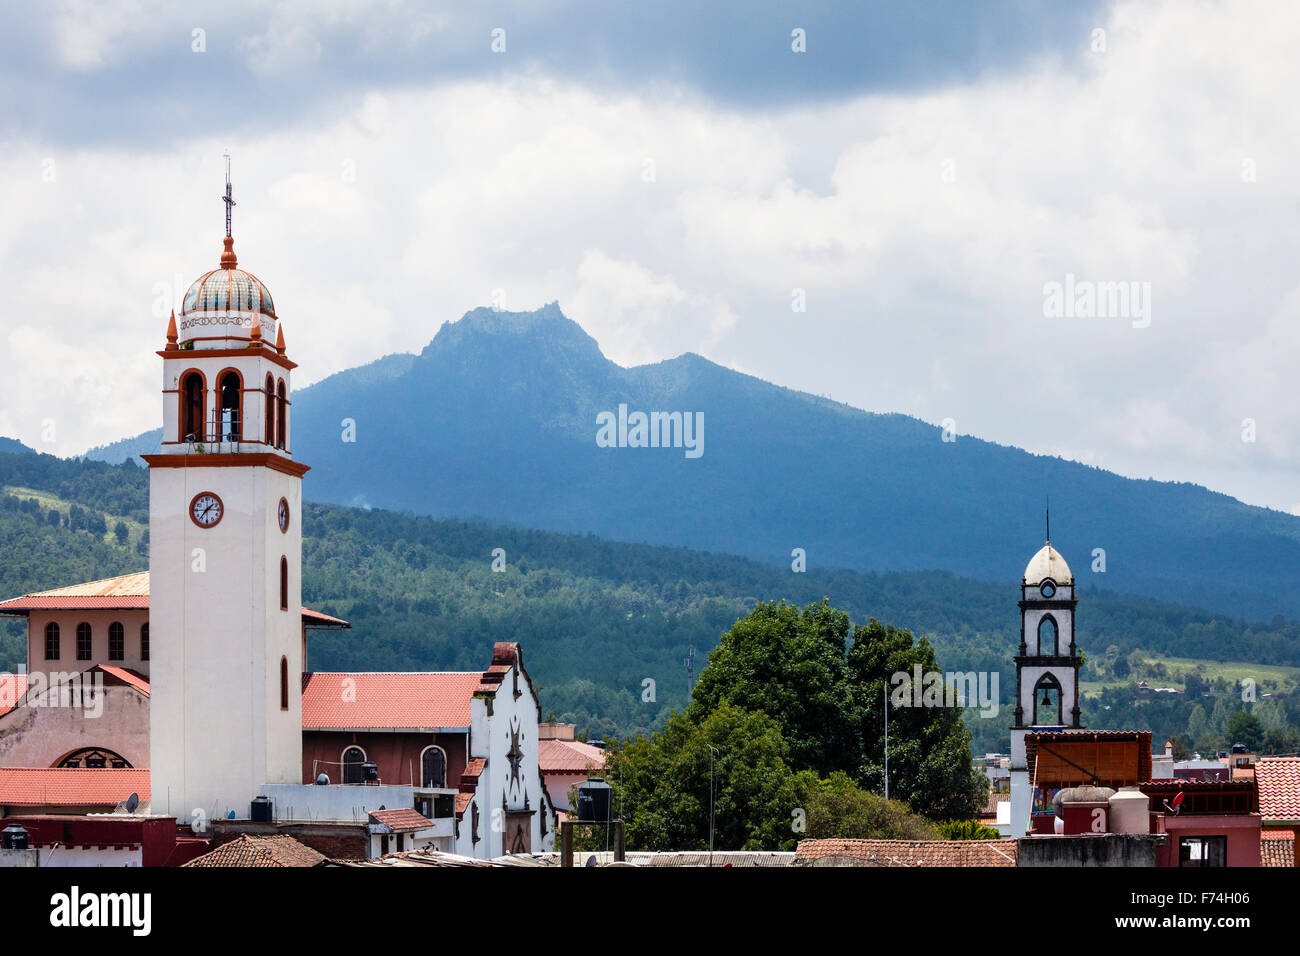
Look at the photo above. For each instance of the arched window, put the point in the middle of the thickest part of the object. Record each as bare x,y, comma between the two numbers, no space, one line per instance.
284,583
281,424
51,641
1047,702
116,642
144,641
93,758
270,410
83,641
284,683
353,758
192,407
230,388
1047,636
433,767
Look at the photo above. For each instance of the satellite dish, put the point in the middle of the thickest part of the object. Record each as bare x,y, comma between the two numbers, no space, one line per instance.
132,802
1177,804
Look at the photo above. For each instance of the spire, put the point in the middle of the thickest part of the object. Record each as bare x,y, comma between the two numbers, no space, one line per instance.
255,339
279,338
171,332
228,199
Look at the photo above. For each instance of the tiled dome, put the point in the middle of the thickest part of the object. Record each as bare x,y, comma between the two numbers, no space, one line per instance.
228,289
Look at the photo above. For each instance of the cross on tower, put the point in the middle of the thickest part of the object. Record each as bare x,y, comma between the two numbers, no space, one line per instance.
228,199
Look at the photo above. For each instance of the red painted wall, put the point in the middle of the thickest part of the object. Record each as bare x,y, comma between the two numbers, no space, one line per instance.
396,754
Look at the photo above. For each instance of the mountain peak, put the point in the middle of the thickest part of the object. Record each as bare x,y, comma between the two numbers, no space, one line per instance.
546,327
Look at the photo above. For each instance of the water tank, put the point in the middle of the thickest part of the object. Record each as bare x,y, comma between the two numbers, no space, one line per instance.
14,837
1130,811
322,780
594,803
260,810
370,772
1083,809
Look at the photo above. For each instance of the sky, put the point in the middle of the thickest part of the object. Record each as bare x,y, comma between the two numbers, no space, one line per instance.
928,208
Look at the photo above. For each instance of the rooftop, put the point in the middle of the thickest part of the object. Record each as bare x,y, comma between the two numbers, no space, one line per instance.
340,700
907,852
278,850
1278,779
70,786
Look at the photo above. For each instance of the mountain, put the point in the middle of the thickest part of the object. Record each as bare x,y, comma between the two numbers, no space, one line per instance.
497,418
597,618
14,446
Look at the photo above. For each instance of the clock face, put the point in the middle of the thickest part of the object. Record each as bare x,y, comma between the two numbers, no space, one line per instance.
284,515
1048,589
206,509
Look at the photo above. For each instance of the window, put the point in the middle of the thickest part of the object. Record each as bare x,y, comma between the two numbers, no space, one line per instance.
51,641
116,642
94,758
144,641
270,410
231,390
353,758
1203,851
284,683
281,421
1047,642
83,642
284,583
192,410
433,768
1047,702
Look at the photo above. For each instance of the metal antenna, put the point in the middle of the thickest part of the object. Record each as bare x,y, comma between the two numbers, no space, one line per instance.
1049,520
228,198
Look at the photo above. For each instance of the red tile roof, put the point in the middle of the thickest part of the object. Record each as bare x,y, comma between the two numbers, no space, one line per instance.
70,787
423,701
568,756
972,853
401,820
126,676
1277,849
125,591
272,850
1278,779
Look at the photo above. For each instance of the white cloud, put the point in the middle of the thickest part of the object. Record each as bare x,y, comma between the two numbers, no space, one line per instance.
924,295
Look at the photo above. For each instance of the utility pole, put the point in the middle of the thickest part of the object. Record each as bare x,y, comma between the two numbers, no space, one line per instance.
886,694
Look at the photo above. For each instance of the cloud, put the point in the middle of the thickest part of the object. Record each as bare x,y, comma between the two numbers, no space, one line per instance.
921,224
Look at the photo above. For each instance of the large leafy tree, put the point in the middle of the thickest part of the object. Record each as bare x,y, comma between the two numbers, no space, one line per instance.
790,665
662,783
929,747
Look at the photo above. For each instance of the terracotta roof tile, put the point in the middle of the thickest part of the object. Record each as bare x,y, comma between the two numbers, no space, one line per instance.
401,820
1278,779
1276,850
70,786
568,756
910,852
273,850
389,700
13,688
126,676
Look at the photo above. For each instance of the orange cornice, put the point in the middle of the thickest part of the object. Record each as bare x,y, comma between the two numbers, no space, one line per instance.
221,460
193,354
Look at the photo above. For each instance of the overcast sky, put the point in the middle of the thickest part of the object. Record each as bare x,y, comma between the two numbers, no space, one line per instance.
922,172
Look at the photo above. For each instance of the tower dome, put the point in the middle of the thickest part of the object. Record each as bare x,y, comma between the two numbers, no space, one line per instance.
1048,563
228,289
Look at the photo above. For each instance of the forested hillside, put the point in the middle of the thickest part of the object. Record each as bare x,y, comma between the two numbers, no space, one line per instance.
596,618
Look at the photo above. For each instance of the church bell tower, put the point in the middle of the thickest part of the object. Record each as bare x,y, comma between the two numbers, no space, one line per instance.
225,555
1047,667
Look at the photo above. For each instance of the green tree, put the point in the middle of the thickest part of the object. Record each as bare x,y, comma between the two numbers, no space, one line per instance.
121,532
838,807
788,664
1245,728
1198,725
662,783
929,747
967,830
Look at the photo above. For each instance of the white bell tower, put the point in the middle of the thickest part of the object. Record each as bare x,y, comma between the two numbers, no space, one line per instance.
225,555
1047,668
